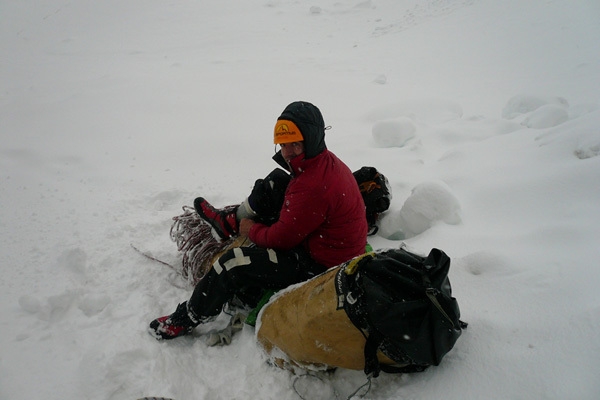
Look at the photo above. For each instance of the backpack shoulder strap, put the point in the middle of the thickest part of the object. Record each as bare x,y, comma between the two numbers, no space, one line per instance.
372,366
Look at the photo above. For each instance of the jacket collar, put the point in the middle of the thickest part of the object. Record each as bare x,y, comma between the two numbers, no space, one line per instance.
297,164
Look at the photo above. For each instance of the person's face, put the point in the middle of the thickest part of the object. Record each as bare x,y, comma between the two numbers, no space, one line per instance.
291,150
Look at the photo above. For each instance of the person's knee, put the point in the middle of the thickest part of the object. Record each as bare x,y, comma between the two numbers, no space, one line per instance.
231,260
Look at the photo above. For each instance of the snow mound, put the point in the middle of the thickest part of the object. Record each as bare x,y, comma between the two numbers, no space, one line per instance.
393,132
524,104
427,204
579,136
546,116
430,110
93,304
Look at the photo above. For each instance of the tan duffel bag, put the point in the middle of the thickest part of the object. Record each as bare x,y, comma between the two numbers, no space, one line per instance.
301,326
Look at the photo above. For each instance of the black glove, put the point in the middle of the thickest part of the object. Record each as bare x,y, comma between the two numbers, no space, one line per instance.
267,195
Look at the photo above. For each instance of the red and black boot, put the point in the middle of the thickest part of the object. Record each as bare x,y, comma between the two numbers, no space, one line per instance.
171,326
223,221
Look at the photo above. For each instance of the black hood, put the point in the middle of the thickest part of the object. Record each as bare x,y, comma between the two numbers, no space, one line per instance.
309,120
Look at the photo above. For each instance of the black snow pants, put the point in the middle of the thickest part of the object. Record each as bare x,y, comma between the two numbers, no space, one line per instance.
244,270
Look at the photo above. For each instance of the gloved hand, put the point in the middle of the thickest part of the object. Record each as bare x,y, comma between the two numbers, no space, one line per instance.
267,195
223,337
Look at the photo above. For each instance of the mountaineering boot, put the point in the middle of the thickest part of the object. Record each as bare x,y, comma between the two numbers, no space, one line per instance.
171,326
223,222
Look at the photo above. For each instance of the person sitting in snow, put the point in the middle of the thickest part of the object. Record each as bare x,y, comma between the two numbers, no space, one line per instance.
301,224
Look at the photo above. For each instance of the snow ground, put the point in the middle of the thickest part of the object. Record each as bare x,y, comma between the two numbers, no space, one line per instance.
483,115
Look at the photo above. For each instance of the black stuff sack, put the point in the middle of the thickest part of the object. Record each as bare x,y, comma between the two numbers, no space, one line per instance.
403,305
376,193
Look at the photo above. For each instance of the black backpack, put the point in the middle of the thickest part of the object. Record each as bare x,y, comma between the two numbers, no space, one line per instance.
376,193
403,305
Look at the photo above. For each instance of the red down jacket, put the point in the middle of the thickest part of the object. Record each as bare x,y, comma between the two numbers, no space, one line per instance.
323,210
